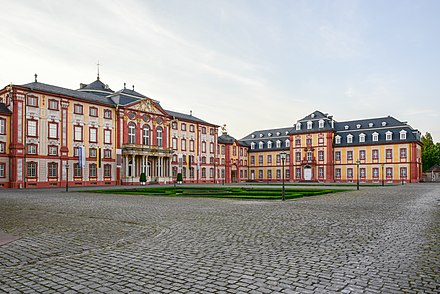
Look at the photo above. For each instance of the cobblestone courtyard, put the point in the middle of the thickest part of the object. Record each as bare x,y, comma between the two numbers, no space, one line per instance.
377,240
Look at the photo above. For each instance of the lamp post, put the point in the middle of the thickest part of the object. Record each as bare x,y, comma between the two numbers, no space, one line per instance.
357,164
283,158
383,181
67,177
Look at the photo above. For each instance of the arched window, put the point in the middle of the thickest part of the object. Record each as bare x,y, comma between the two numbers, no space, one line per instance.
159,136
131,133
146,135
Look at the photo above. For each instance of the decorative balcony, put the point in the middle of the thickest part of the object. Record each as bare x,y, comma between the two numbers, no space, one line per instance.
140,149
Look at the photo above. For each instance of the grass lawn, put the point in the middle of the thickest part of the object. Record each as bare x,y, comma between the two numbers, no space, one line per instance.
222,192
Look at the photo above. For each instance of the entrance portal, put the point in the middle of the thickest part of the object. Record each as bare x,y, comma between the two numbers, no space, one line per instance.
307,173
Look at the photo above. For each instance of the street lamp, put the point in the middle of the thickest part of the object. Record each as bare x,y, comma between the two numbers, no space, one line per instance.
357,164
383,183
283,158
67,177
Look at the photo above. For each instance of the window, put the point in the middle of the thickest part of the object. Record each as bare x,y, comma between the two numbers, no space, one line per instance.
375,137
53,130
309,155
203,159
375,154
321,141
204,147
269,144
298,173
349,173
92,153
338,155
191,128
32,149
338,173
78,133
78,109
75,151
320,172
53,150
388,136
362,138
183,127
346,127
211,131
146,135
52,169
260,174
31,170
174,125
402,152
389,172
2,126
53,104
191,145
211,148
203,130
309,125
297,142
77,170
375,172
93,111
288,158
350,138
278,174
321,124
298,126
32,101
389,154
269,174
278,158
174,143
2,147
93,135
269,159
92,170
362,172
402,135
2,170
309,141
107,114
131,133
32,128
321,155
107,170
183,144
349,155
362,154
107,136
260,145
159,140
287,142
403,172
260,159
107,153
252,159
287,173
252,145
223,149
337,139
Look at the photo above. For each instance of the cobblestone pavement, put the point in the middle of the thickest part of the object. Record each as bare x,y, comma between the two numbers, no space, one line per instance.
377,240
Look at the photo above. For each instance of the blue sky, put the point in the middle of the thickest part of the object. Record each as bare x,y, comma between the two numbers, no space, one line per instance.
249,64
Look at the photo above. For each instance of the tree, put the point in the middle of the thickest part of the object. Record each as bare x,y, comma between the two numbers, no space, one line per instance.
430,152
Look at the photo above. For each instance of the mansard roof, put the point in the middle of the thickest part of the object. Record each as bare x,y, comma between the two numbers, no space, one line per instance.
97,87
311,123
37,86
264,136
226,139
188,117
316,115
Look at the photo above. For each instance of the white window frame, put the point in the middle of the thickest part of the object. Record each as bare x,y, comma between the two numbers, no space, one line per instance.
375,137
362,138
403,135
388,136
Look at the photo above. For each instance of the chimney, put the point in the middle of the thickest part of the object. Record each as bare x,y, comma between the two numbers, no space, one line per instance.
190,112
82,86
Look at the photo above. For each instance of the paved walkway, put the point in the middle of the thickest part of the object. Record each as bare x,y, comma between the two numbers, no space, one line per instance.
376,240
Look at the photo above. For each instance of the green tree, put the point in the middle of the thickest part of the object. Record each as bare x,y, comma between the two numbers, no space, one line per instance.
430,152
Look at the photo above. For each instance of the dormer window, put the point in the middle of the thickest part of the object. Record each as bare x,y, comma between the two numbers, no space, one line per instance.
269,144
278,144
309,125
298,126
349,138
346,127
384,123
321,124
389,136
261,135
253,145
358,126
287,132
370,125
402,135
261,145
312,115
278,133
287,143
362,138
253,136
337,139
269,134
375,137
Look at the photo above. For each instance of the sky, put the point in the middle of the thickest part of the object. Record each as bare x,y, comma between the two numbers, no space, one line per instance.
251,65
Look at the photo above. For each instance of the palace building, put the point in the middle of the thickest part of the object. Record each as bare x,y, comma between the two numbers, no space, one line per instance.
51,136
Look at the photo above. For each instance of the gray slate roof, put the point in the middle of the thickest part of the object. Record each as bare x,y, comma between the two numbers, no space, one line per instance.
4,109
226,139
97,87
273,135
187,117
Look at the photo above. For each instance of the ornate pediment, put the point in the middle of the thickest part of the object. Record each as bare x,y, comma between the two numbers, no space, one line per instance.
147,106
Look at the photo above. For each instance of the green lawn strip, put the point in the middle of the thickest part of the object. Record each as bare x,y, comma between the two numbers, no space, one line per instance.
221,192
318,184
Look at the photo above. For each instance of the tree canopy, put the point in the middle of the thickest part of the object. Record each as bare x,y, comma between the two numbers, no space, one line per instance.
430,152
